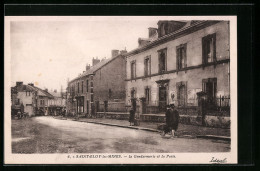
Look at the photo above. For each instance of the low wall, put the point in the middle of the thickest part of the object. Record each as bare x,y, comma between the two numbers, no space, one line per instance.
211,121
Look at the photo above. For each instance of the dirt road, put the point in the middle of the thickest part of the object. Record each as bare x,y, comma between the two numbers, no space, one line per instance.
49,135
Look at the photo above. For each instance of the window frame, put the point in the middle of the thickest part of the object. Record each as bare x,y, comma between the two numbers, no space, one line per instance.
133,70
178,56
204,55
147,67
165,60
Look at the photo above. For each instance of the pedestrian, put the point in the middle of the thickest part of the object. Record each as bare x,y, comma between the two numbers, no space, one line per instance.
174,119
132,117
166,128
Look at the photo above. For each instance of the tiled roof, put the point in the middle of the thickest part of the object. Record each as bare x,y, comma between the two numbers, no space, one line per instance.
93,69
33,88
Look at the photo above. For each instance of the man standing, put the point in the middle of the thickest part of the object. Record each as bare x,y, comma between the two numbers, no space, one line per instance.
174,119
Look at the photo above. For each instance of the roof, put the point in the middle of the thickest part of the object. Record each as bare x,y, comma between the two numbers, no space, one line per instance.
96,67
190,26
41,92
55,94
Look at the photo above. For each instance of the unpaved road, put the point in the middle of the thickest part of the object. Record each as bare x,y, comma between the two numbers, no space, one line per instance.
49,135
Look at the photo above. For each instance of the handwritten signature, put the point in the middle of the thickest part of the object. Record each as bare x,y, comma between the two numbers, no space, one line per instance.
216,160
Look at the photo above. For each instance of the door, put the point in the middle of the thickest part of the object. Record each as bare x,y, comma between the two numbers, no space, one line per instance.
162,99
181,98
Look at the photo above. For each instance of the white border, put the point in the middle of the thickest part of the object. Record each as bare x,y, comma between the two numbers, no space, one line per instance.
181,158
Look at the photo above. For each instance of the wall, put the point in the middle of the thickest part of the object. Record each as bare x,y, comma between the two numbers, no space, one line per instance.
110,76
71,107
194,58
194,49
27,102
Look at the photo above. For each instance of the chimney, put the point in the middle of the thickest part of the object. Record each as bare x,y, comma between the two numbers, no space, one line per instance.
166,27
95,61
55,91
46,90
31,84
152,31
87,67
18,83
123,52
115,53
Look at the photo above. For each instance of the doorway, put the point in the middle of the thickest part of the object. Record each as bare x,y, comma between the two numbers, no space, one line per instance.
162,99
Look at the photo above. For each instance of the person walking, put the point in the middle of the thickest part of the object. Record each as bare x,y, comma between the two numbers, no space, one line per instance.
166,128
132,117
174,119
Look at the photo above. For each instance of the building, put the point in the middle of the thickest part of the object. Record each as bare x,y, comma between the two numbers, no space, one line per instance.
88,92
177,61
31,97
57,104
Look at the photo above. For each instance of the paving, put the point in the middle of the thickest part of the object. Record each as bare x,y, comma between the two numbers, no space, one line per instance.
183,130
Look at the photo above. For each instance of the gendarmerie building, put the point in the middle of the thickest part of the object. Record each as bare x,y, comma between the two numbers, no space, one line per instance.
177,61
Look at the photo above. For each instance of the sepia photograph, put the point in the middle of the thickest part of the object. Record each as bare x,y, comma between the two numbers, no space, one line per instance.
120,90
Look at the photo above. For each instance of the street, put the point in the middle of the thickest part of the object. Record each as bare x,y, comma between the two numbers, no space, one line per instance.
49,135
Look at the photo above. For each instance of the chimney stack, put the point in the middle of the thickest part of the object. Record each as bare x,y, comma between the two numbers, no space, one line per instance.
18,83
46,90
152,31
115,53
87,67
31,84
95,61
123,52
55,91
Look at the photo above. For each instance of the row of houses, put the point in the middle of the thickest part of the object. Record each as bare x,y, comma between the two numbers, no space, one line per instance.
178,62
36,101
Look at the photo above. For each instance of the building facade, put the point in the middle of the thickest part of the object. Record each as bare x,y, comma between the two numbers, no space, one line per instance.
57,104
97,84
188,57
31,97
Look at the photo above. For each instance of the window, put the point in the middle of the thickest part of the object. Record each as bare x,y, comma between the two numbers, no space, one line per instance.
162,56
78,87
109,93
92,98
147,95
91,84
133,69
147,66
87,85
209,86
209,48
181,93
82,84
133,93
181,56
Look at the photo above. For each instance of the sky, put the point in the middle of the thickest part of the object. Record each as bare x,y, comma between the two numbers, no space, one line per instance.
47,51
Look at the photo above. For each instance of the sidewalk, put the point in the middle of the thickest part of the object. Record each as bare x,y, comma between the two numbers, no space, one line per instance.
183,130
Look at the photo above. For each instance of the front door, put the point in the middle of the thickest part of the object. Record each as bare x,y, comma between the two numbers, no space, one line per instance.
162,99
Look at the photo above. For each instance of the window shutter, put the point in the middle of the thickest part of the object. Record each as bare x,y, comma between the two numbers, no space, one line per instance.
185,55
214,47
203,50
150,65
177,57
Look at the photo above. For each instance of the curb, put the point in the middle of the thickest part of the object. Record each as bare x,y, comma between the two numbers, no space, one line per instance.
122,126
214,137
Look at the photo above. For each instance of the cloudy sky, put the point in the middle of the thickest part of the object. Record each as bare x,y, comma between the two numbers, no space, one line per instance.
48,51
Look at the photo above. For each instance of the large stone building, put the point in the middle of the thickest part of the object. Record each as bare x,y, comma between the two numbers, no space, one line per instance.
177,61
99,84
